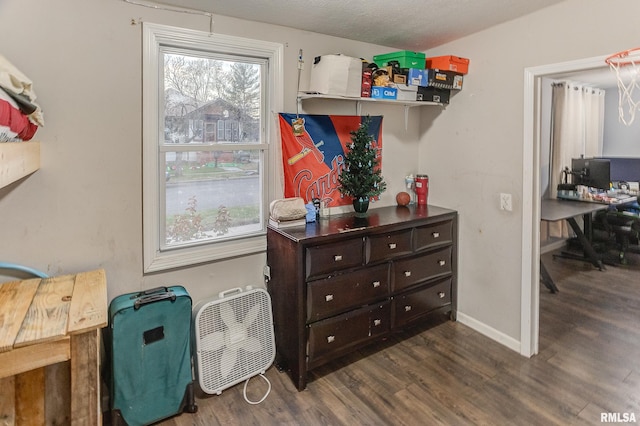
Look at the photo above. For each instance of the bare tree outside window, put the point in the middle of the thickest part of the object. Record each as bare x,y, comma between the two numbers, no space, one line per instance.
206,157
211,172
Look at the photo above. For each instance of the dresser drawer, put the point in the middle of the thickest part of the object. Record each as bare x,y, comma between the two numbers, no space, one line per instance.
327,258
411,306
336,335
434,235
337,293
408,272
387,246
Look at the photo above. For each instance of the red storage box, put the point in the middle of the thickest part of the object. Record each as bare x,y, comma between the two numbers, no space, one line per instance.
449,63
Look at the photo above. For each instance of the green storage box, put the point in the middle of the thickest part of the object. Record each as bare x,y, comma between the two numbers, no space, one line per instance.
405,58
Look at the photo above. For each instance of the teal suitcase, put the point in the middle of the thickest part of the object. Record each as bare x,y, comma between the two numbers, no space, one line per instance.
148,345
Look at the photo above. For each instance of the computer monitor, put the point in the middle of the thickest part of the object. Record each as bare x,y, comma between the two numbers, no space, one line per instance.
624,169
593,172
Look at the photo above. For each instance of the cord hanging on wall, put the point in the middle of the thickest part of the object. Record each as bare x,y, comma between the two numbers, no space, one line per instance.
297,124
174,9
300,68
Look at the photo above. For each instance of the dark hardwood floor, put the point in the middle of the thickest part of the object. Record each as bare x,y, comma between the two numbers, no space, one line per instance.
588,364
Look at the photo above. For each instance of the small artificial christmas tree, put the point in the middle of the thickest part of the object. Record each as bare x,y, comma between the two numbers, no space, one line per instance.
362,176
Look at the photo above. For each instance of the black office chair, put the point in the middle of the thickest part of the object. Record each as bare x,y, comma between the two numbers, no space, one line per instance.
622,225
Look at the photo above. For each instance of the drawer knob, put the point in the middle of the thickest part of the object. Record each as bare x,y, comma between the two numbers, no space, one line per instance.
331,339
407,273
328,297
442,262
377,322
441,294
376,284
392,245
407,308
337,258
436,235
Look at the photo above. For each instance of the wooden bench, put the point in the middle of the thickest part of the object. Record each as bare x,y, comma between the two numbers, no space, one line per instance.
43,322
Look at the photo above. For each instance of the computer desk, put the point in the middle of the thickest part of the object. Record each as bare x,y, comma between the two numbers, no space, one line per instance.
555,210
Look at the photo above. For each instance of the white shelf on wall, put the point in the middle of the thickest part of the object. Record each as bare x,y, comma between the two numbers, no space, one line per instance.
406,104
17,160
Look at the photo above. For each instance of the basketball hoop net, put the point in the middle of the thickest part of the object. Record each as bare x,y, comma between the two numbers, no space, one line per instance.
626,65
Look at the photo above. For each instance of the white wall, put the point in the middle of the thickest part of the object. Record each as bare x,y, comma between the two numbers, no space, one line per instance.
83,209
480,136
620,140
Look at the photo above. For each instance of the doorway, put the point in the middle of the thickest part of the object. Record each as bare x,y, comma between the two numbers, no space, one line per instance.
531,188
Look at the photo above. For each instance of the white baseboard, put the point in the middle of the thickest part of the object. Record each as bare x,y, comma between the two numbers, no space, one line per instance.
490,332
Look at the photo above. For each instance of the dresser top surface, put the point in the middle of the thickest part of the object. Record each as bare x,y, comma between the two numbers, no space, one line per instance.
391,217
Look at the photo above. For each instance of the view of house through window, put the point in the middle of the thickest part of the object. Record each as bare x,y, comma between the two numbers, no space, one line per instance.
212,150
207,166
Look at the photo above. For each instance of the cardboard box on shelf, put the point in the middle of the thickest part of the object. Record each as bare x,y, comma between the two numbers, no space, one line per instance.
405,58
407,93
379,92
417,77
365,90
400,79
396,75
339,75
434,94
443,79
435,78
449,63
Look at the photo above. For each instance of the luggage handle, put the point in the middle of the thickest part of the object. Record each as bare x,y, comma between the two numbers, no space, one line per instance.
163,289
152,298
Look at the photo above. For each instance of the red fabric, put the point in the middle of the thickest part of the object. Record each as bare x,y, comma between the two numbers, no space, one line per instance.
16,121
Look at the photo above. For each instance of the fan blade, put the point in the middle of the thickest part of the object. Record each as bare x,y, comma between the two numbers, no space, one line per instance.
212,342
227,315
228,361
252,344
251,315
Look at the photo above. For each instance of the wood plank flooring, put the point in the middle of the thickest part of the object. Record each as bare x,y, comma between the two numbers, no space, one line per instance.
588,364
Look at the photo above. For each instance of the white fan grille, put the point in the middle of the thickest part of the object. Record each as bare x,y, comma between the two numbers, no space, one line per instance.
234,339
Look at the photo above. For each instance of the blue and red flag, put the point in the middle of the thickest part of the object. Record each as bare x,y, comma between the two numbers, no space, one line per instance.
313,148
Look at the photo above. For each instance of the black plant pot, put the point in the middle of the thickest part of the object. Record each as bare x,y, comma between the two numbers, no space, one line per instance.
361,205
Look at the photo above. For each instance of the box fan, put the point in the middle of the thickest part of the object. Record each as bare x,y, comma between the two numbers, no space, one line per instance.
234,339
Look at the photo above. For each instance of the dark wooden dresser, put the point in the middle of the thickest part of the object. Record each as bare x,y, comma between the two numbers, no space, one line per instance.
343,282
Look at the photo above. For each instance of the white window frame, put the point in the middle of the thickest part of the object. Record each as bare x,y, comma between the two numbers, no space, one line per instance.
154,37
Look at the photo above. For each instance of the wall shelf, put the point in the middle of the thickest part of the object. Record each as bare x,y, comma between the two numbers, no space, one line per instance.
17,160
407,104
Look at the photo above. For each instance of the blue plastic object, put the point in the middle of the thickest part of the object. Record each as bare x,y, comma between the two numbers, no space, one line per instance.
16,267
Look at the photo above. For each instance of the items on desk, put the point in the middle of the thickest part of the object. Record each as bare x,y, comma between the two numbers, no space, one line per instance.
592,195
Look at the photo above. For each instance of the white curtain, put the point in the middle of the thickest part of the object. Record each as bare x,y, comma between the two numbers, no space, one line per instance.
577,125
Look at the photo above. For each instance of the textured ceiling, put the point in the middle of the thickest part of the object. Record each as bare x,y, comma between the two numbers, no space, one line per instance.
415,25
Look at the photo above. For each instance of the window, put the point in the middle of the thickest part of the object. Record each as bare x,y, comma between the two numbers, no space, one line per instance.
207,101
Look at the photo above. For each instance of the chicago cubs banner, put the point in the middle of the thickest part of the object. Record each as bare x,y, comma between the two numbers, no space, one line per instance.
313,148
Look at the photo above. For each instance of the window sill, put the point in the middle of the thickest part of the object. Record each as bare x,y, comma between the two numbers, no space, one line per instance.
173,259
